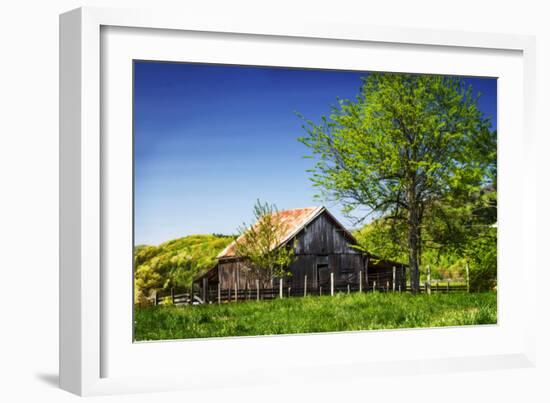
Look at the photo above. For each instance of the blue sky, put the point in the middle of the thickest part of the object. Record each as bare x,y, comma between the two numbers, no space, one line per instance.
210,139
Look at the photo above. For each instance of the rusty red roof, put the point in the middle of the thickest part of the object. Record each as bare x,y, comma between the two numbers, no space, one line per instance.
293,221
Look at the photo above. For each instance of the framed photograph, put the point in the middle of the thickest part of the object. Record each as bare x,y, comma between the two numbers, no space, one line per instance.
276,196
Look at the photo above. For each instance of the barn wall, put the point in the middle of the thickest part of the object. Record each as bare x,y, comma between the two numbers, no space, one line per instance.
232,271
323,237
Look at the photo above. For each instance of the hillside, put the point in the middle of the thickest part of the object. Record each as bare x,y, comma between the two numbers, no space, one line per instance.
175,263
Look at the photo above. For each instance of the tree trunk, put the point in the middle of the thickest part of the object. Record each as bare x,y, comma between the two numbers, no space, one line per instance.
414,247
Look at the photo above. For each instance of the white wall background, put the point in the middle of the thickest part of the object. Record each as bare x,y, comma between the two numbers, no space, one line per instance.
29,188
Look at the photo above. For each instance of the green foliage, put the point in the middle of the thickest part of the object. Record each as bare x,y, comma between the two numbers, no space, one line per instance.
166,301
483,257
258,244
384,238
408,145
465,237
342,312
174,263
464,234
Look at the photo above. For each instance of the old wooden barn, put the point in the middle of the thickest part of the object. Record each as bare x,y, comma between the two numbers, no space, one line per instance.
321,246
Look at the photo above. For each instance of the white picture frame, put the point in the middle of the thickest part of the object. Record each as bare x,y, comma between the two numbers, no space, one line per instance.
92,356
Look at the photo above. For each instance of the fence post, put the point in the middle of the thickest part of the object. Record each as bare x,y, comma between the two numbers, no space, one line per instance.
289,292
155,301
393,280
331,284
367,274
448,285
172,294
320,290
374,286
360,280
305,285
281,288
437,286
403,281
348,288
257,290
387,285
467,277
400,288
429,289
236,292
219,293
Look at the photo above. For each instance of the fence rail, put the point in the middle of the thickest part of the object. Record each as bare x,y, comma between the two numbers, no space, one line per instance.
217,295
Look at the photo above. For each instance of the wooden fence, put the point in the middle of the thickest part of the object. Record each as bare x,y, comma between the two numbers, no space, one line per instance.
376,284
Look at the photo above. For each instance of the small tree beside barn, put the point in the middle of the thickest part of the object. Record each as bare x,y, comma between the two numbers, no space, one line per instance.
258,244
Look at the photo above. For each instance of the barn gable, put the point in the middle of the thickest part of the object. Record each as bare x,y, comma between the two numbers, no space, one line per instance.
324,235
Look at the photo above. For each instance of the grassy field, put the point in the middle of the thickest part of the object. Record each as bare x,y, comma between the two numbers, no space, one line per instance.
315,314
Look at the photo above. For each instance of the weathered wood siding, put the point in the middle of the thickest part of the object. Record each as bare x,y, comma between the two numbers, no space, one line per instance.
231,272
322,236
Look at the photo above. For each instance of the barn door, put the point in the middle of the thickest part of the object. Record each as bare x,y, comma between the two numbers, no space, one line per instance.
323,271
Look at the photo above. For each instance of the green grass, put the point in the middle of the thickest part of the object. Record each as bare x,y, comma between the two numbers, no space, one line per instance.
315,314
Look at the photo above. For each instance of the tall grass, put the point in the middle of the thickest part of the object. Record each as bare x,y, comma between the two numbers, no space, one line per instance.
315,314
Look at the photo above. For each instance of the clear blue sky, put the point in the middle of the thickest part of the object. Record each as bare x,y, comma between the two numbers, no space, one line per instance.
209,140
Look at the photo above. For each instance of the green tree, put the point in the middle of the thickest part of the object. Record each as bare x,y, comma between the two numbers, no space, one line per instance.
259,244
407,143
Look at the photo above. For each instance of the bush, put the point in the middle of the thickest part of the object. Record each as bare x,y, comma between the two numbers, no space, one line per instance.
483,270
483,279
166,301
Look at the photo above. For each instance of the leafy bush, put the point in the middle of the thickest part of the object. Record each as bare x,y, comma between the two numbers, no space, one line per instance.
483,271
